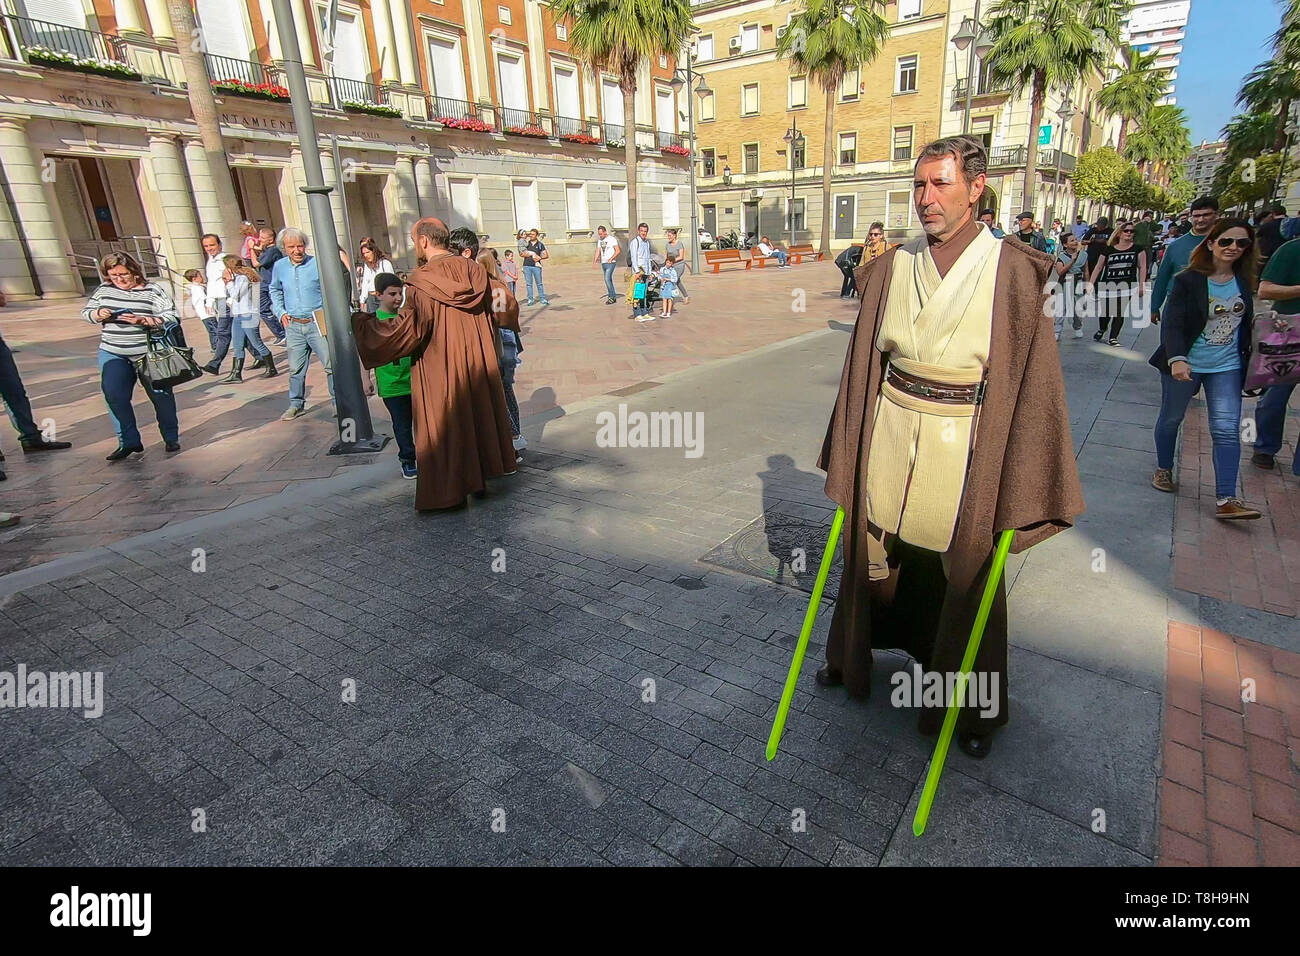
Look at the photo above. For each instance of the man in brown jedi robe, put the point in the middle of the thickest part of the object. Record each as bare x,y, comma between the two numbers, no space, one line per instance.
950,427
462,432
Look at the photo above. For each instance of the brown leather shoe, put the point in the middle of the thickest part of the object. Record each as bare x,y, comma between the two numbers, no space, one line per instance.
1163,480
1262,460
1235,508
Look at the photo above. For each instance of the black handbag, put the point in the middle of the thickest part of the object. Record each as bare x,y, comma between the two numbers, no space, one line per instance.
165,364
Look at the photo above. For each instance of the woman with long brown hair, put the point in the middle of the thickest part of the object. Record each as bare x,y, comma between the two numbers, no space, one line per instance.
242,296
1122,269
374,262
126,307
1205,343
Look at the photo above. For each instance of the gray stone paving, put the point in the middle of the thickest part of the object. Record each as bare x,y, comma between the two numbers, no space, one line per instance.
518,696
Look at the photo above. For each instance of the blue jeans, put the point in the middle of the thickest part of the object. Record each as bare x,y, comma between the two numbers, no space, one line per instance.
224,336
533,276
244,330
1270,418
15,396
780,257
267,309
301,340
117,378
1223,403
399,409
608,269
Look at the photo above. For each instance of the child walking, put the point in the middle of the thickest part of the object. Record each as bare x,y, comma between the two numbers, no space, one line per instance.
510,270
667,285
640,310
393,381
198,281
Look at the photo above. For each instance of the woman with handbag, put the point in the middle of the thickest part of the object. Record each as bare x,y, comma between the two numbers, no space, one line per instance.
1205,342
128,308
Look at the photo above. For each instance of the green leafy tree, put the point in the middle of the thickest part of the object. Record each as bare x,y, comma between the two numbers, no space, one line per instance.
1162,138
1250,181
1130,192
1133,93
1043,44
1248,135
825,40
617,36
1098,172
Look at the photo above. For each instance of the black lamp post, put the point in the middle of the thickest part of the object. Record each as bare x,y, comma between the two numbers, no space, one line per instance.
701,90
796,142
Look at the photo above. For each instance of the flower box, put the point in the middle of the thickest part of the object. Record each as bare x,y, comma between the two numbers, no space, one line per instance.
259,91
471,123
530,130
582,138
615,143
44,56
372,109
676,150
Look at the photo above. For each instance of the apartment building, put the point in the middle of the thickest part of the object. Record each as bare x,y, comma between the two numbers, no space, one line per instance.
473,110
751,179
1160,26
1203,162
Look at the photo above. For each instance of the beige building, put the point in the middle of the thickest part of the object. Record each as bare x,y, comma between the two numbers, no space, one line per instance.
1202,164
474,111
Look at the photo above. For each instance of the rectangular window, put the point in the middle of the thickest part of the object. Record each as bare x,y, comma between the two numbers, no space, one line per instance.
448,71
749,99
799,155
672,215
561,31
848,149
663,62
503,14
749,38
798,92
710,161
981,127
704,48
751,157
902,143
706,108
906,80
575,204
618,207
464,203
849,86
796,214
898,209
907,9
525,197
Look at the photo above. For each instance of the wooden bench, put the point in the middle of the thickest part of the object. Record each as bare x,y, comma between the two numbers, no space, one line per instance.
756,255
719,257
799,253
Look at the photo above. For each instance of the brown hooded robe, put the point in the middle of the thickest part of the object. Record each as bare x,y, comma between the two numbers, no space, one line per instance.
1022,475
462,430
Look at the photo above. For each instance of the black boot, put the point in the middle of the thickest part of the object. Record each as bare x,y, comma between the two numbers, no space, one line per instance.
829,677
123,451
236,371
268,363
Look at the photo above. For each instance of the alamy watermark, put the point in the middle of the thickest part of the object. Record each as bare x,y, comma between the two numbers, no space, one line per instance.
70,690
918,688
651,430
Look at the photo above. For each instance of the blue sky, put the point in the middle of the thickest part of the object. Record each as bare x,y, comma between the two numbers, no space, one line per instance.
1225,40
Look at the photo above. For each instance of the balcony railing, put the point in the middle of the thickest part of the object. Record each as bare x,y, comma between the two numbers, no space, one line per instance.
516,120
356,91
984,87
443,107
245,71
1007,156
569,126
1047,160
31,36
613,134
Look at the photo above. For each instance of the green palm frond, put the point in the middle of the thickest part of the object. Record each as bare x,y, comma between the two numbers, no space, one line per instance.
827,38
1137,88
618,35
1052,43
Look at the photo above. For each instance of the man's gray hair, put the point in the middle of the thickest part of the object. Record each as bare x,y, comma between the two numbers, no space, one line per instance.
972,159
292,232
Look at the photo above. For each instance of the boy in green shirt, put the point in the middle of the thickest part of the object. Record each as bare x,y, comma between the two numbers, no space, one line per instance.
393,381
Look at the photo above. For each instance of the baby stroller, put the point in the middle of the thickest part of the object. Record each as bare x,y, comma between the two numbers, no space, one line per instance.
651,289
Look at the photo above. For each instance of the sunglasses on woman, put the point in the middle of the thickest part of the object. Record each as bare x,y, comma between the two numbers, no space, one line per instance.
1223,242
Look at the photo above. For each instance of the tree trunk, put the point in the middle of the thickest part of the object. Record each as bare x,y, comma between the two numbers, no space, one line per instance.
1036,97
1279,138
628,86
198,86
1123,133
828,164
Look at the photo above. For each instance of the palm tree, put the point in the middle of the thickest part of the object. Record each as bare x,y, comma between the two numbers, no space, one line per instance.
617,36
1041,44
1271,88
1248,135
1134,91
198,87
1162,138
825,40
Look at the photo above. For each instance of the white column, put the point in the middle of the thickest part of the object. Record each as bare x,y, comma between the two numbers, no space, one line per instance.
302,24
205,193
537,55
34,212
297,214
167,198
130,18
15,280
383,24
272,32
406,59
425,187
405,209
160,24
479,62
337,199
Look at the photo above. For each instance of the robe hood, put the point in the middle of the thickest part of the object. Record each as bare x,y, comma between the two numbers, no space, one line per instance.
454,281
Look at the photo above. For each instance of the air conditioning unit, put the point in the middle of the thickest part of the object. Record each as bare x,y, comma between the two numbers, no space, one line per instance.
781,31
734,44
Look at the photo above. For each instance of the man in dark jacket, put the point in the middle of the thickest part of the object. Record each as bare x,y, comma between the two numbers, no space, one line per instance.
1027,234
847,261
265,254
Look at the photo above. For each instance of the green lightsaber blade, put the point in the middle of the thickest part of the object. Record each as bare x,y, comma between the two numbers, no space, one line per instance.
783,709
959,691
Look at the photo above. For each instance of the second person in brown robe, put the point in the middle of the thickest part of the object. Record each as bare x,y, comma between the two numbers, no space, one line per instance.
462,431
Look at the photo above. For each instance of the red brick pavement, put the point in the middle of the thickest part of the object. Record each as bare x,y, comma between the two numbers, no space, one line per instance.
1265,567
235,450
1230,795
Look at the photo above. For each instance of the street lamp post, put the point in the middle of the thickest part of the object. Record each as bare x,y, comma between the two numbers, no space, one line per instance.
701,90
971,36
1066,113
795,141
356,434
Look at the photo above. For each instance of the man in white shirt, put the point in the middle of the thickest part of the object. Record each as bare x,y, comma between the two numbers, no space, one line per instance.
639,250
766,248
607,258
215,270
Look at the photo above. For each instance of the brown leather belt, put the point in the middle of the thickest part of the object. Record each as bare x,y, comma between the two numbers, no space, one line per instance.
294,318
934,391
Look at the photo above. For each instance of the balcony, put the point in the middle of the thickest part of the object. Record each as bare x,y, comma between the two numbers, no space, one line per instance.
985,87
1047,160
1007,157
359,95
613,134
519,122
245,78
456,114
69,48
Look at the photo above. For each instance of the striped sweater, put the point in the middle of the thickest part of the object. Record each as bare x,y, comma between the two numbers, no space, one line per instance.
121,338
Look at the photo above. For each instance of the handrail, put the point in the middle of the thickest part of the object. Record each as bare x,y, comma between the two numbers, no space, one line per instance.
60,38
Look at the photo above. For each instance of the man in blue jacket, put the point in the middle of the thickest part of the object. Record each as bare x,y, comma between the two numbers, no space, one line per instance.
1179,252
265,255
296,297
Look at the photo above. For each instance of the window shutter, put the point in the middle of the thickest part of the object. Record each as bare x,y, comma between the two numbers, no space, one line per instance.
223,29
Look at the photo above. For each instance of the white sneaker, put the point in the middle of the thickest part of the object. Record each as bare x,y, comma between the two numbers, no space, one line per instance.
520,442
646,318
1078,333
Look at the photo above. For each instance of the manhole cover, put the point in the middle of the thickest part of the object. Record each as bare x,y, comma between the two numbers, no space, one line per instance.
783,549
